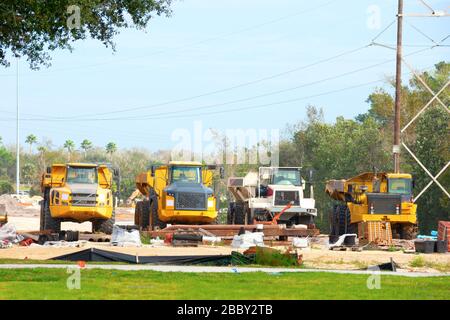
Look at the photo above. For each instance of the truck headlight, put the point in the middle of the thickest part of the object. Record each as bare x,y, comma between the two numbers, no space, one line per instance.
65,197
101,197
211,203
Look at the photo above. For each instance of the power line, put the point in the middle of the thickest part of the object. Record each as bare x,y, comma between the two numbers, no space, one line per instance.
244,84
141,117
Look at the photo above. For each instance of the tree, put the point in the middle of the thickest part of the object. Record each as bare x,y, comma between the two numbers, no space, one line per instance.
32,28
70,146
111,148
31,139
433,150
86,145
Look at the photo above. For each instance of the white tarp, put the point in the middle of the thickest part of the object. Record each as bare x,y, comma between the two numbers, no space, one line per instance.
123,238
248,239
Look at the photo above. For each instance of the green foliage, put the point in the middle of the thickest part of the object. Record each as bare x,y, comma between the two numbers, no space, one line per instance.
433,150
32,28
274,258
6,187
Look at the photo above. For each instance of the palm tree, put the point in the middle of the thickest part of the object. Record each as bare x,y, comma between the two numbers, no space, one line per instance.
111,148
69,145
31,139
86,145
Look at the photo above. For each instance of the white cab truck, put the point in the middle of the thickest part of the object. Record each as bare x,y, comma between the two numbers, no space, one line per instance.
262,195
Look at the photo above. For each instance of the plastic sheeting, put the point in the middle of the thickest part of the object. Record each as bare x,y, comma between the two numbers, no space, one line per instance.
248,239
123,238
94,254
8,235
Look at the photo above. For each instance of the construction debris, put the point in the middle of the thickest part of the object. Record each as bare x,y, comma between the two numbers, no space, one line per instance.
9,236
125,238
248,239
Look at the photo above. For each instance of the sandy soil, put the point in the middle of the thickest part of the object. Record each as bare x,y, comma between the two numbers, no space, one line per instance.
44,253
29,220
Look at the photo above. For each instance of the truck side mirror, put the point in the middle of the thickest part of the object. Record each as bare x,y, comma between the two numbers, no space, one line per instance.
413,183
222,172
49,170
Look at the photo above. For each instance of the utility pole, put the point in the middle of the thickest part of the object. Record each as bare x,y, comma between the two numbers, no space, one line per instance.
17,132
398,89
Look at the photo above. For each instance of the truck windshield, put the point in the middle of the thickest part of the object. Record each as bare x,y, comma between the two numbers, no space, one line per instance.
287,177
82,175
186,174
399,186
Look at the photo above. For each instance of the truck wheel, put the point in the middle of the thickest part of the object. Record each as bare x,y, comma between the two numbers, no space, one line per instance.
47,221
239,214
408,231
145,214
104,226
138,214
156,222
230,212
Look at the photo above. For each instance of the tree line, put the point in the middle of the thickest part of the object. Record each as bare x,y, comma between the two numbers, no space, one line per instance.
337,150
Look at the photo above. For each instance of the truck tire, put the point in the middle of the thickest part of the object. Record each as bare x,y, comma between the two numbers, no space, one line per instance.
408,231
157,224
47,222
145,214
104,226
239,213
341,222
230,212
138,214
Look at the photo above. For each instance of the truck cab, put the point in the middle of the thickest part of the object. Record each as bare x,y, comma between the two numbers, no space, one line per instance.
179,192
76,192
260,196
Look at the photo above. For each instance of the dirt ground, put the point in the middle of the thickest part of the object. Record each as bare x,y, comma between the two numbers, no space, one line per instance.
28,220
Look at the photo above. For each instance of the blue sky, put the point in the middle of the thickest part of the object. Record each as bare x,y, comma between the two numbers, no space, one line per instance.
208,46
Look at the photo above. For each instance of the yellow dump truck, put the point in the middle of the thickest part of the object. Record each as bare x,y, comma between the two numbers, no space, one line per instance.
374,197
78,192
178,193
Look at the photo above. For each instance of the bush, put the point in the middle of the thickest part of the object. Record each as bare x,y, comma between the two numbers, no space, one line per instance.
275,258
6,187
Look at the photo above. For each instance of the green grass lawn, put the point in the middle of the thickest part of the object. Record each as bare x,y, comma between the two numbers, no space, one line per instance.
111,284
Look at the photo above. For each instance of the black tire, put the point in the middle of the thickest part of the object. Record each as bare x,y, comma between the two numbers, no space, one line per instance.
156,223
104,226
230,212
47,222
341,221
145,214
138,214
239,213
408,231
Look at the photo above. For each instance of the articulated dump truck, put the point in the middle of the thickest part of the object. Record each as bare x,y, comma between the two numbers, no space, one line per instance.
78,192
374,197
177,193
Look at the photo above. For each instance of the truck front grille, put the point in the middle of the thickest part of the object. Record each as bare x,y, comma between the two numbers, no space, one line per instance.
84,200
190,201
383,203
283,198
